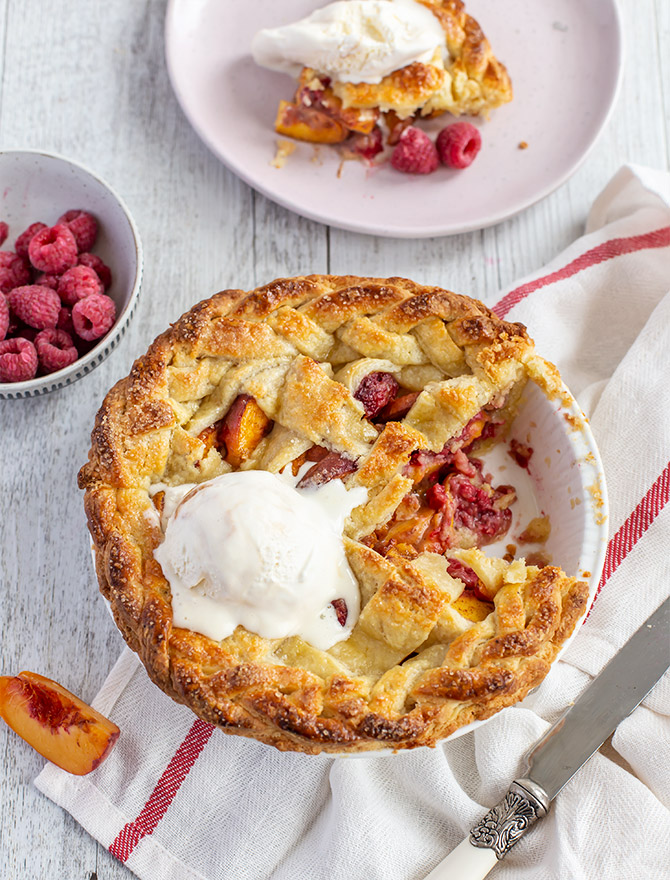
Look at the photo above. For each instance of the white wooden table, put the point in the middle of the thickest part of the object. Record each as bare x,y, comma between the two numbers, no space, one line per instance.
88,80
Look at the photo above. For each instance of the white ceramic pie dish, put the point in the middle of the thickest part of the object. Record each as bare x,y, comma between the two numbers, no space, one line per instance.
42,186
565,482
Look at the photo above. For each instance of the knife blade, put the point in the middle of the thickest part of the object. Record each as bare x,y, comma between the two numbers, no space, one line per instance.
554,759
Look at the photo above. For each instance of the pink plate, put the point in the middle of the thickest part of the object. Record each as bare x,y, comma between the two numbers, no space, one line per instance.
564,58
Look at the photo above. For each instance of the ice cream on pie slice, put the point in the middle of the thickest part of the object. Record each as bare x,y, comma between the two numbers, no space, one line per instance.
361,63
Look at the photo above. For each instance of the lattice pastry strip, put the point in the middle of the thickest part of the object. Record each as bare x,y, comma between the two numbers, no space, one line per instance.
444,408
367,336
335,418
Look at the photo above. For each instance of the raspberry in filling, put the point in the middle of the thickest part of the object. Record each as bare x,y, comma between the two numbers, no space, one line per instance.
453,503
520,452
376,391
367,146
341,610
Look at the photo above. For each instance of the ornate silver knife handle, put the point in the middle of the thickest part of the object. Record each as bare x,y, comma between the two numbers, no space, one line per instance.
496,834
501,827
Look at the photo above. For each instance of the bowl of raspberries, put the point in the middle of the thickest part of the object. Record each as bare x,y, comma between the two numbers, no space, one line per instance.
70,272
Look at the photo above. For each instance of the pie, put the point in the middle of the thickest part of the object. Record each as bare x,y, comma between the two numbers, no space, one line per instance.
384,384
464,77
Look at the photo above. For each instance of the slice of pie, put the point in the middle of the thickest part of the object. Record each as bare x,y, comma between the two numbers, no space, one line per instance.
463,76
382,393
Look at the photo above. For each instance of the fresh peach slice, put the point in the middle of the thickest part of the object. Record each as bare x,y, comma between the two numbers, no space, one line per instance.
472,608
243,428
58,725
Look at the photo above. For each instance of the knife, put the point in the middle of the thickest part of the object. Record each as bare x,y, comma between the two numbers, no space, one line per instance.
564,748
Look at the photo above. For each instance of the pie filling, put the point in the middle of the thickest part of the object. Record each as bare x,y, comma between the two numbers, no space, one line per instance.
453,503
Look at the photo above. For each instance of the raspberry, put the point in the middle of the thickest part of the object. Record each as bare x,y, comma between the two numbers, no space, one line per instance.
341,611
94,262
4,232
55,350
18,360
53,249
83,226
458,144
22,242
65,321
4,316
45,280
367,145
93,316
35,305
14,271
415,153
375,391
77,283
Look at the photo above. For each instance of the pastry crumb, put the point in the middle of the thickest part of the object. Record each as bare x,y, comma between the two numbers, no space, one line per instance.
284,150
536,532
511,553
523,145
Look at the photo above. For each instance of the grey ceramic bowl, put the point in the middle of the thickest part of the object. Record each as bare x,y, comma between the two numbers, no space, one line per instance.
41,186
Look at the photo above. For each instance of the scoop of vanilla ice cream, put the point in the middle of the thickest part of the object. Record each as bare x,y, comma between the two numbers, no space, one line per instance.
247,548
352,40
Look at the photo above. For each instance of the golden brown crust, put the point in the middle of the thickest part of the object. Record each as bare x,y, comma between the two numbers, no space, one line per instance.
470,81
413,670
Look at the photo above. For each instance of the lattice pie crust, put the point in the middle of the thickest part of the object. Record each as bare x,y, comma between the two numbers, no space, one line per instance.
414,669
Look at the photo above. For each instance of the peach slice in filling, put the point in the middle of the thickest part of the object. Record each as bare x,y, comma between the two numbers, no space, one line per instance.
316,115
239,432
56,723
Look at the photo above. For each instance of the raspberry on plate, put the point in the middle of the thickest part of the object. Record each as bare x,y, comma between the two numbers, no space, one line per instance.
415,153
83,226
4,232
14,271
18,360
77,283
22,242
93,316
55,350
458,144
53,249
35,305
94,262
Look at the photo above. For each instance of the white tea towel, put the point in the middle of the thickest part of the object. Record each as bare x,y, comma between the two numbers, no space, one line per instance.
179,800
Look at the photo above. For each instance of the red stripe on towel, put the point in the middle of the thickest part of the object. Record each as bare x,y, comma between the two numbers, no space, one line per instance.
635,526
164,792
617,247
